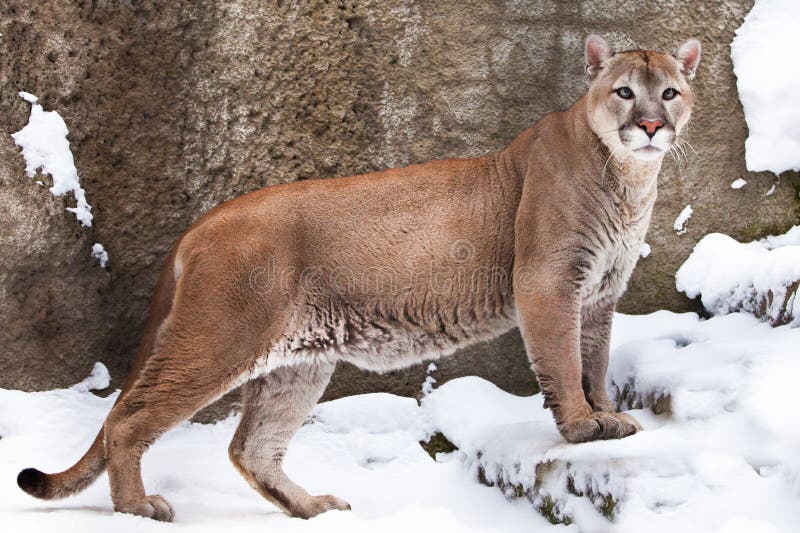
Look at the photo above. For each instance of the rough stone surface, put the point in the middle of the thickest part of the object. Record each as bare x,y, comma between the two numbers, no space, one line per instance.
174,107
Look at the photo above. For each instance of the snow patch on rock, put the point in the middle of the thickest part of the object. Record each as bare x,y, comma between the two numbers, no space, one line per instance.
761,277
100,253
430,381
98,379
683,219
764,54
45,148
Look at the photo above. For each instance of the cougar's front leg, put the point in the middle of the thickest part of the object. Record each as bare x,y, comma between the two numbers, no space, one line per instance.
548,305
595,338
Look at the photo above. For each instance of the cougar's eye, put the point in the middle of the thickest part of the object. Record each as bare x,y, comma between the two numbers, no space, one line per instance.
669,94
625,93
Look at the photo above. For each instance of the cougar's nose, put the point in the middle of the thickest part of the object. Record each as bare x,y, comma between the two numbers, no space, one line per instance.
650,127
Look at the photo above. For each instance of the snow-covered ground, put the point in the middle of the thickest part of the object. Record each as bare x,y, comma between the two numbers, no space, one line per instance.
364,449
720,456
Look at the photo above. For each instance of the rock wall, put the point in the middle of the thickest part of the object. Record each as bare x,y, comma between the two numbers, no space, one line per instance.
174,107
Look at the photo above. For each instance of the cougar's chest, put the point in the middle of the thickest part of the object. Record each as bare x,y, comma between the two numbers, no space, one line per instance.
616,253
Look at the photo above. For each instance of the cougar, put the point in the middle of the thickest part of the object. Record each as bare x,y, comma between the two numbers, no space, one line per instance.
383,270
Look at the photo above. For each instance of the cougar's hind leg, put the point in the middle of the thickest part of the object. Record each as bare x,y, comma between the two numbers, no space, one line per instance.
191,367
163,397
274,408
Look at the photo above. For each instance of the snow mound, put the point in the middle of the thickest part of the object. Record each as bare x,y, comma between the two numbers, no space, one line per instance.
721,452
761,277
764,60
45,147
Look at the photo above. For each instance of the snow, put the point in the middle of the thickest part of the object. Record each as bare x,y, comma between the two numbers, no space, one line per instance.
719,456
430,381
364,449
646,249
758,276
100,253
738,184
764,57
45,148
28,97
98,379
683,220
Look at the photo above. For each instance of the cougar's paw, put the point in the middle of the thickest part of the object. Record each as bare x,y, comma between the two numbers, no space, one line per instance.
320,504
600,425
155,507
163,511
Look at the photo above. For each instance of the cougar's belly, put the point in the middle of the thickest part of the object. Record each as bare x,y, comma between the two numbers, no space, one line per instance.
388,346
381,343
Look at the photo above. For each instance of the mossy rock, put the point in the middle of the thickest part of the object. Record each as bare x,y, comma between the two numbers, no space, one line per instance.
626,398
437,443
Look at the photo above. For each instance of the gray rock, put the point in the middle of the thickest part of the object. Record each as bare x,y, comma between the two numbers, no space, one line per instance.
174,107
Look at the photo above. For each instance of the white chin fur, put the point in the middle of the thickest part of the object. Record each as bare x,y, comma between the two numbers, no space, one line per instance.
648,153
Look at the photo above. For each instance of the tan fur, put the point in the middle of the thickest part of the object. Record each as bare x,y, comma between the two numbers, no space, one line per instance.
384,270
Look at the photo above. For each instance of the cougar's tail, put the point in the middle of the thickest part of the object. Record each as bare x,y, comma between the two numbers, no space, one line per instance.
75,479
93,462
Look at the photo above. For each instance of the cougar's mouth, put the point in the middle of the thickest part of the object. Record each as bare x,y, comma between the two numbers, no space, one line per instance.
650,148
647,152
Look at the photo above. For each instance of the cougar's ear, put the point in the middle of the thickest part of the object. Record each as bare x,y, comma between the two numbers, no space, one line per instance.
596,50
688,56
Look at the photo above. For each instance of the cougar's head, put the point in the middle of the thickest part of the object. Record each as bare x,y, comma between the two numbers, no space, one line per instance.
638,100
